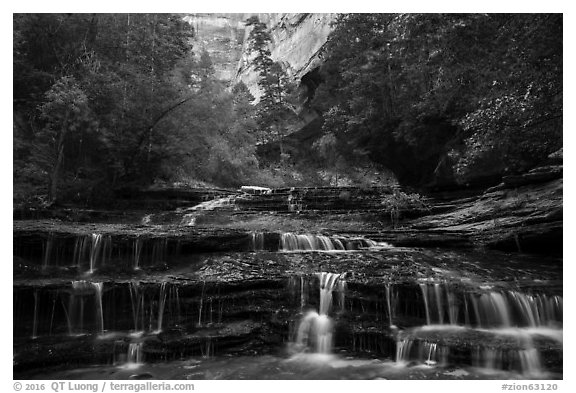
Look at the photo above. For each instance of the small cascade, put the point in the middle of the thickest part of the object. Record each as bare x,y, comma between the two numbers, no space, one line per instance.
424,289
525,359
161,304
190,218
489,309
257,241
423,352
512,318
137,301
327,283
391,301
403,350
316,329
48,251
98,286
137,253
309,242
76,313
135,356
431,349
92,250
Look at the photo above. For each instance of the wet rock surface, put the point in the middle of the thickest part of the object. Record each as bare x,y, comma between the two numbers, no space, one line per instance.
196,289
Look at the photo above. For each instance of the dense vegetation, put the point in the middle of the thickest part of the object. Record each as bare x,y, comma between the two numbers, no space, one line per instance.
445,95
105,101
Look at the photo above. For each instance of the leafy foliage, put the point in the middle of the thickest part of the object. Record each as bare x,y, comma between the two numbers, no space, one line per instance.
107,100
416,87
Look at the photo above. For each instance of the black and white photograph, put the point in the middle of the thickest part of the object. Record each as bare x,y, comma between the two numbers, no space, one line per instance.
287,196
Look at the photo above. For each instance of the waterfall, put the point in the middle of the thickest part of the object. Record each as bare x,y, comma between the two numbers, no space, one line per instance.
76,309
257,241
389,303
47,250
161,304
439,303
135,356
327,282
94,251
137,252
308,242
190,218
431,348
424,289
403,349
316,328
98,286
137,301
489,309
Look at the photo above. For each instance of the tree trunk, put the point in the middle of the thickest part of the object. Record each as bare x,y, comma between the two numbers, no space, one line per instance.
55,175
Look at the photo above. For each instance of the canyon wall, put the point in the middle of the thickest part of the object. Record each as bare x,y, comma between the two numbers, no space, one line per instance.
296,42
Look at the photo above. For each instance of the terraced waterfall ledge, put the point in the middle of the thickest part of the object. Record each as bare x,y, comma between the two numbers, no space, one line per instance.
296,284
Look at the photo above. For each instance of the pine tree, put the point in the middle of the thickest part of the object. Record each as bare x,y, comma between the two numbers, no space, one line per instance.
274,109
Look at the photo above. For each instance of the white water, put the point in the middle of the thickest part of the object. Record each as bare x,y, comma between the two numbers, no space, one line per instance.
161,304
98,286
291,242
316,329
135,356
190,218
257,241
137,252
498,309
94,251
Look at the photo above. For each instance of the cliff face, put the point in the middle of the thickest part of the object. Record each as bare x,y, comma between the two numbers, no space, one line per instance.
296,42
222,36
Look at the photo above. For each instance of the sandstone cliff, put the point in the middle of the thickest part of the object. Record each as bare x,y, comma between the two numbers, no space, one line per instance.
222,36
296,42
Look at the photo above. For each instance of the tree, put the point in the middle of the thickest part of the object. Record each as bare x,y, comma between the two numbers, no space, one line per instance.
482,88
128,72
273,109
65,111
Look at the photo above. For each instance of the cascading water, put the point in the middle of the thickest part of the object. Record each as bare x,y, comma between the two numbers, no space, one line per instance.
47,250
98,286
137,302
257,240
390,303
91,250
315,329
161,304
190,218
135,356
76,315
501,309
308,242
502,314
137,253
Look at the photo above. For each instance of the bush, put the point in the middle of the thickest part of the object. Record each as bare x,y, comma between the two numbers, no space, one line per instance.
399,201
